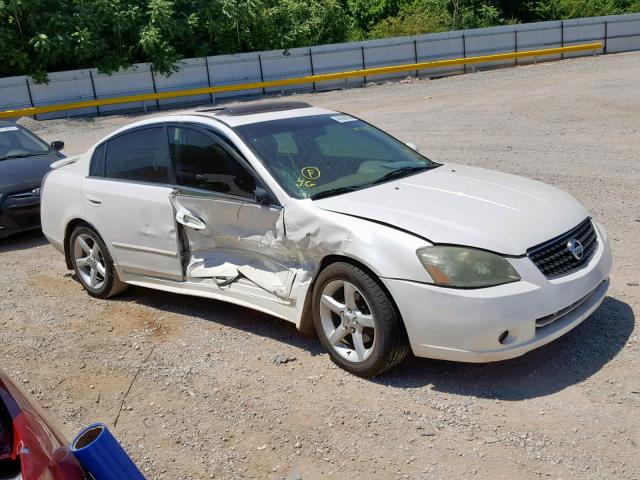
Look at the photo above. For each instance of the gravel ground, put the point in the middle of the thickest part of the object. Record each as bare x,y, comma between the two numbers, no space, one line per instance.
201,389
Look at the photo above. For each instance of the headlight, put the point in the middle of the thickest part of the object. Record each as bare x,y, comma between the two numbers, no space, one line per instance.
466,267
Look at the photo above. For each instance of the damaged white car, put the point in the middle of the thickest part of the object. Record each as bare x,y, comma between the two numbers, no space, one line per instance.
321,219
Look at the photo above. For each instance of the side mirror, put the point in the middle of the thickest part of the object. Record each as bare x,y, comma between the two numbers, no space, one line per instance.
412,146
57,145
263,197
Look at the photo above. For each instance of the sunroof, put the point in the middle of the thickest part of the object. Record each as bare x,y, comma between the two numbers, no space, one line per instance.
263,108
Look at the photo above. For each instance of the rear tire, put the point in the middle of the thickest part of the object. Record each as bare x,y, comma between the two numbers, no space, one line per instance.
357,322
93,264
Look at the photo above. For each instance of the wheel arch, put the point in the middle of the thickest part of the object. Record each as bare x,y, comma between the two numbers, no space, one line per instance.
306,320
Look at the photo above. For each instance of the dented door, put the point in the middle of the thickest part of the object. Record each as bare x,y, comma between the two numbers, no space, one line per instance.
230,239
234,242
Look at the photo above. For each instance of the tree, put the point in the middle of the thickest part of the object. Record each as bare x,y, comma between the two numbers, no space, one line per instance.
39,36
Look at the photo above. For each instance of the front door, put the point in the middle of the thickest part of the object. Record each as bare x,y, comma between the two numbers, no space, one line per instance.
234,241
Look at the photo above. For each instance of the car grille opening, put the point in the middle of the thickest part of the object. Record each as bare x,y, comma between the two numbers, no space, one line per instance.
555,259
26,216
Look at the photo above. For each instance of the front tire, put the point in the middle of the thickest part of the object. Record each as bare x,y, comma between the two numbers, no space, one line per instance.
357,322
93,264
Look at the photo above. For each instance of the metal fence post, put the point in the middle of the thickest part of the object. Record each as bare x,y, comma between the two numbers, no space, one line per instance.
313,72
515,35
26,79
606,36
364,65
264,90
206,65
464,50
562,37
93,88
155,90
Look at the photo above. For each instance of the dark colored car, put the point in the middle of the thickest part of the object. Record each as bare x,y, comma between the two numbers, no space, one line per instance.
30,447
24,161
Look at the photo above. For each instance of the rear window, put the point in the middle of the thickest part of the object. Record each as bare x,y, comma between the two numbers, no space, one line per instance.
141,155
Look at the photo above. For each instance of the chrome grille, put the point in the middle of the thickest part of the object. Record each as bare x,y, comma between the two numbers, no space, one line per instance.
34,192
554,258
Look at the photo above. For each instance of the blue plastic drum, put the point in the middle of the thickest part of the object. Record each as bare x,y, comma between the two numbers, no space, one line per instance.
102,456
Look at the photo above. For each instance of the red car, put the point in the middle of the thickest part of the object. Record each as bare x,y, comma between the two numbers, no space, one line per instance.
30,447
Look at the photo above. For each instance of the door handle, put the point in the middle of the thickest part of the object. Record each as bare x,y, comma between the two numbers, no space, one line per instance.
93,200
188,220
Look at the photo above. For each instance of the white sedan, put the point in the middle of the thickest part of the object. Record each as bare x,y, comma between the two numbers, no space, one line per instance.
321,219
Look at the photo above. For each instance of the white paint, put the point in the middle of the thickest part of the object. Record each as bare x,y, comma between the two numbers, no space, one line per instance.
265,257
467,206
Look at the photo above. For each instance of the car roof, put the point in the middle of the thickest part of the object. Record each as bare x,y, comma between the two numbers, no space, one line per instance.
234,115
255,112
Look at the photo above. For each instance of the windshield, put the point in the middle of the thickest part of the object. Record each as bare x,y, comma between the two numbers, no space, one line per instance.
323,155
18,142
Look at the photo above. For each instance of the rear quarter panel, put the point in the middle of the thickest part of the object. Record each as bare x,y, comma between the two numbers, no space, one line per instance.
61,202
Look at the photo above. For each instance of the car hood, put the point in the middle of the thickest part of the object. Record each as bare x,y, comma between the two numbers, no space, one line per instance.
456,204
22,173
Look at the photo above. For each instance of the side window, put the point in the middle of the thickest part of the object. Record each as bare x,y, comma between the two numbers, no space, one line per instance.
140,155
97,162
201,161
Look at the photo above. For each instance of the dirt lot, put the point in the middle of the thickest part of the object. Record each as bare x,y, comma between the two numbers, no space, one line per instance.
191,387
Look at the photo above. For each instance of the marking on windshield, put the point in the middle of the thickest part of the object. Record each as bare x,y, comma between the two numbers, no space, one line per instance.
344,118
302,183
311,173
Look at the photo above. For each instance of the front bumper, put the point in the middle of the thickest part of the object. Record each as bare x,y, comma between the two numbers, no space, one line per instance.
19,216
467,325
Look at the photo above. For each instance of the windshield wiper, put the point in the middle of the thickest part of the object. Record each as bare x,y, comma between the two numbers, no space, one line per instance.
334,191
401,172
23,155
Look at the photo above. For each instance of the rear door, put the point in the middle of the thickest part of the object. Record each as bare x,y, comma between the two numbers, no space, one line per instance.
127,198
233,240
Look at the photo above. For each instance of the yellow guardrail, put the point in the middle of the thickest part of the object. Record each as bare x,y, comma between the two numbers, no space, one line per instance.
300,80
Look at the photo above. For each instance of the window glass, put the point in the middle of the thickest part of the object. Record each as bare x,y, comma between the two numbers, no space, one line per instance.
322,155
338,141
201,161
140,155
97,162
286,143
16,141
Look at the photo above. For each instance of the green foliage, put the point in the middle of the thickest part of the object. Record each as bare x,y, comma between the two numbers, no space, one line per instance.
558,9
424,16
39,36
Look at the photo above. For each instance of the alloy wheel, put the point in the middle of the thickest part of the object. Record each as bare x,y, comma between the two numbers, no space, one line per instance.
89,260
347,321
